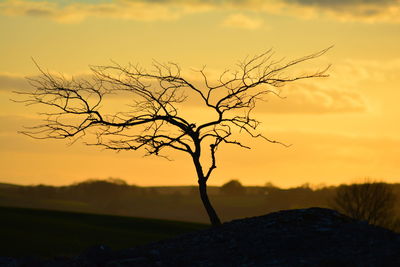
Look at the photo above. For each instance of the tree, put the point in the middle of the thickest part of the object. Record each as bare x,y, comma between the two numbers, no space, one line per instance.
233,187
371,202
154,121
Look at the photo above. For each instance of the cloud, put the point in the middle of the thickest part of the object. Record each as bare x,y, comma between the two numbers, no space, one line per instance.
308,98
76,12
343,92
242,22
352,10
353,86
363,70
12,82
164,10
300,98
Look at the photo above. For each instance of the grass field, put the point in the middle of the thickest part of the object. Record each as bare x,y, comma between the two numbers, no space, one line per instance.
45,233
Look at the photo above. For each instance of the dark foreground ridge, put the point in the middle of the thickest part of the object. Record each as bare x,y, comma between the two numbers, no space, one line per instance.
303,237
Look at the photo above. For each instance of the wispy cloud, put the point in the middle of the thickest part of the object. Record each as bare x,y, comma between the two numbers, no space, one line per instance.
326,96
314,99
76,12
153,10
13,82
346,10
242,22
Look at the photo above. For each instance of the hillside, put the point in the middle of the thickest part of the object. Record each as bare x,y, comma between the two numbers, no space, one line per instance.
303,237
30,232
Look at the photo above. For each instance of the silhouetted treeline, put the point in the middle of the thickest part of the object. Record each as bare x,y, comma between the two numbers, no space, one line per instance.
115,196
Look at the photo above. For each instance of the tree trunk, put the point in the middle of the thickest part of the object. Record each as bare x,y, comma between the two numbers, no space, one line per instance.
212,215
202,180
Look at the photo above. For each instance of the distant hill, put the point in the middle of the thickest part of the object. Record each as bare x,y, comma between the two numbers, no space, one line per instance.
6,185
181,203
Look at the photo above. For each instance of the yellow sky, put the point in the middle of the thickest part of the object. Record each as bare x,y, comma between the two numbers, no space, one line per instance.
341,128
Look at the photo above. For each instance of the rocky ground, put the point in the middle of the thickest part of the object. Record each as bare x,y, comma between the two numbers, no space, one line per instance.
304,237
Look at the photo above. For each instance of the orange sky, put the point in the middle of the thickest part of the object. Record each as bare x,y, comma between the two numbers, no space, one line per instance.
343,128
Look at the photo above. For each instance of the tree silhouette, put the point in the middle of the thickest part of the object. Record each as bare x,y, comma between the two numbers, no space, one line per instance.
153,121
372,202
233,187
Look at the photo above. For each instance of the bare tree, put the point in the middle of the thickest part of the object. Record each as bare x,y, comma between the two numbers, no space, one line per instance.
372,202
153,121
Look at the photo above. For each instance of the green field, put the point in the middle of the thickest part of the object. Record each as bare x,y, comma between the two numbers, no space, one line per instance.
45,233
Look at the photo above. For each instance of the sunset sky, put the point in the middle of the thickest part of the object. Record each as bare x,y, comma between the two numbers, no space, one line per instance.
342,128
